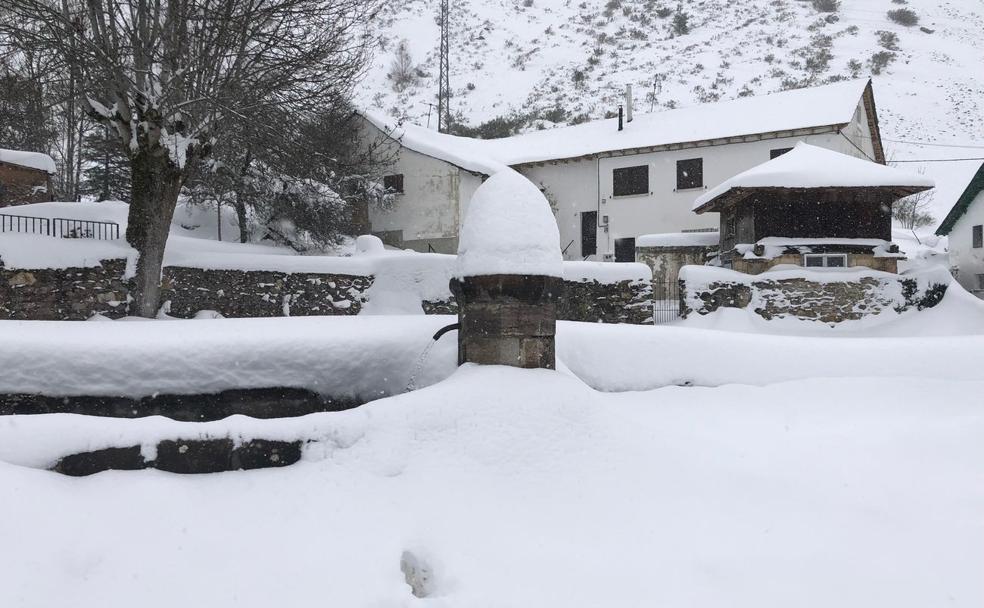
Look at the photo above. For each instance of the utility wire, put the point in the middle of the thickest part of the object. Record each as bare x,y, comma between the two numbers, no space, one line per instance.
934,160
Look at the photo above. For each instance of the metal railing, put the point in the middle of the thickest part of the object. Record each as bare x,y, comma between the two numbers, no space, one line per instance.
63,227
666,301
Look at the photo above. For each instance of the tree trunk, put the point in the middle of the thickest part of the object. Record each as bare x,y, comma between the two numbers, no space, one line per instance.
240,206
154,195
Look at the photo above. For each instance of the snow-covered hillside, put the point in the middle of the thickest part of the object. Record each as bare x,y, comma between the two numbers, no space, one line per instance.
537,56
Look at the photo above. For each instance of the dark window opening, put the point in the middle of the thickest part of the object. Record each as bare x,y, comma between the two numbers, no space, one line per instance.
690,173
625,250
589,233
393,183
778,152
627,181
978,236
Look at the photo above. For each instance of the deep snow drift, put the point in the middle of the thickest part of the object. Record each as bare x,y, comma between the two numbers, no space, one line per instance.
527,489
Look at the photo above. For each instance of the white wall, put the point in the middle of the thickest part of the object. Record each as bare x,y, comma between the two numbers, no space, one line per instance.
968,261
586,185
437,193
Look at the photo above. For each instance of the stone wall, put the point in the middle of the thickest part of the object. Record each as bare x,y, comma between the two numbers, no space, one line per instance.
827,301
586,300
259,293
596,302
64,294
79,293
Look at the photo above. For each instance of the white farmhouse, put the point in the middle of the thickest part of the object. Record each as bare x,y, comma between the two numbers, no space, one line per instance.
610,181
964,228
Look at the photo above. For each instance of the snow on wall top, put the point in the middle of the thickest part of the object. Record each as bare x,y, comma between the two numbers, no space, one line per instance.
509,229
680,239
31,160
832,104
807,166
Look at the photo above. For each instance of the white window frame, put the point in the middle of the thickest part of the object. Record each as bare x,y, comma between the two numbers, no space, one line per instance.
825,257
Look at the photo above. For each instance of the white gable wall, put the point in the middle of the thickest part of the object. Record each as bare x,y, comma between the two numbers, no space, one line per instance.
968,260
586,185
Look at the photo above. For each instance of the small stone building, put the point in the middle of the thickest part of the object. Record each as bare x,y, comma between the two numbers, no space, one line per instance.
810,207
25,177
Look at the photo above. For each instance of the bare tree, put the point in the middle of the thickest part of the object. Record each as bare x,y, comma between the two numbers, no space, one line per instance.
171,77
913,211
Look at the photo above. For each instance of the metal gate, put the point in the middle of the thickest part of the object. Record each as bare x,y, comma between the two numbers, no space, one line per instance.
666,301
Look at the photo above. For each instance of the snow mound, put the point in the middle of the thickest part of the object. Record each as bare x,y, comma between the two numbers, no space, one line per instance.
509,229
368,244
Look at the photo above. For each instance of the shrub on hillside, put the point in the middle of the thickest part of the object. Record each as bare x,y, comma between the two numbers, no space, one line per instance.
681,23
826,6
888,40
880,60
904,16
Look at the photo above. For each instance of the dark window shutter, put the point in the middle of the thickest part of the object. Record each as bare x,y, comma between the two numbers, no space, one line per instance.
978,236
627,181
625,250
589,233
690,173
778,152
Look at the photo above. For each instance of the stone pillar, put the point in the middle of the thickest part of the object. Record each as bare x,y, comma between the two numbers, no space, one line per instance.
507,319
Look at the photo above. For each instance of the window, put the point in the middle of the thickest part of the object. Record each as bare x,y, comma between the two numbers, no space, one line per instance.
778,152
393,183
825,260
589,233
980,281
628,181
625,250
978,236
690,173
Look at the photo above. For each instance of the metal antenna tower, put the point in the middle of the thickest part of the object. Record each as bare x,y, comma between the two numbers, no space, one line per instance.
444,87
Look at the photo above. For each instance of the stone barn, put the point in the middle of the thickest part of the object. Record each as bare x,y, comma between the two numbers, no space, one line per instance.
25,177
810,207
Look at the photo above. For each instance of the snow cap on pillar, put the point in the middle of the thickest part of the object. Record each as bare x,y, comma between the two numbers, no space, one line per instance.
509,229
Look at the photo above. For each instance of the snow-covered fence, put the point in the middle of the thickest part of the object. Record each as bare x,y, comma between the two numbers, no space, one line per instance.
828,296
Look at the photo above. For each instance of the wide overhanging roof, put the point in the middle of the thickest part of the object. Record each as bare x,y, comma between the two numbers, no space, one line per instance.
806,169
825,106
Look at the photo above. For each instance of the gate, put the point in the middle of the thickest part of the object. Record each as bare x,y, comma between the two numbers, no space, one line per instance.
666,301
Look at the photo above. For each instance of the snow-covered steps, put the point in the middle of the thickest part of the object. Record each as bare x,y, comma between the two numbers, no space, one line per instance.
184,456
278,402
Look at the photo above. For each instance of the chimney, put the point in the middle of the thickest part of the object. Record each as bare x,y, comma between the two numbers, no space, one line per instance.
628,103
620,118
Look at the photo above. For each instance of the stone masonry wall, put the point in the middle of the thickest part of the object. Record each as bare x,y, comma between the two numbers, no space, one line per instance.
256,293
587,300
79,293
64,294
827,302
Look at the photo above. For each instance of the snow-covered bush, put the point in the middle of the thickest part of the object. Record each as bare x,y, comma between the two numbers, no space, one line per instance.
904,16
888,40
826,6
880,60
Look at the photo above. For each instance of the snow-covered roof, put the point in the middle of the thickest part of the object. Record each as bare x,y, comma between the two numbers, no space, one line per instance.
807,166
707,238
463,152
31,160
828,105
509,229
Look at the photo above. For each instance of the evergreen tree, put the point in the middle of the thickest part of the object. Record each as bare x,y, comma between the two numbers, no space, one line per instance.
107,171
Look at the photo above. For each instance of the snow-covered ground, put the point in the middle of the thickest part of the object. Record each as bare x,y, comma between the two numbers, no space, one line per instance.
529,489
